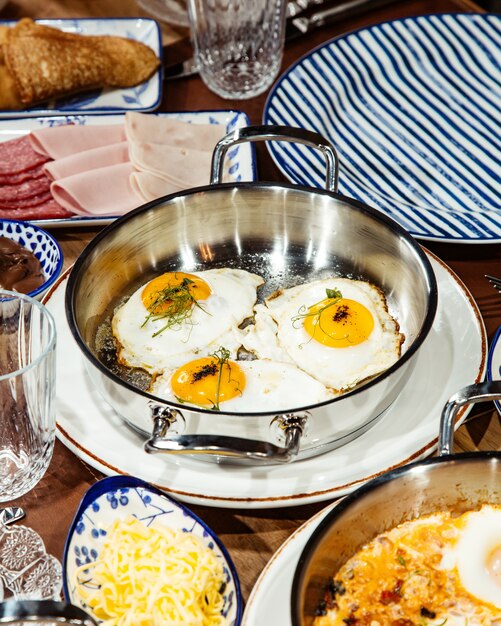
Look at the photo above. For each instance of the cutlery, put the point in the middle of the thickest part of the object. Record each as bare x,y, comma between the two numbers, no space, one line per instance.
294,7
302,25
10,514
296,26
495,282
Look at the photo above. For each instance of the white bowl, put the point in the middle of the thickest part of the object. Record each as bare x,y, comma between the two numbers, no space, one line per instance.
42,244
118,497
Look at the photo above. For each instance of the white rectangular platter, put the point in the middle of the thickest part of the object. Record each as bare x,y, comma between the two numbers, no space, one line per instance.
240,159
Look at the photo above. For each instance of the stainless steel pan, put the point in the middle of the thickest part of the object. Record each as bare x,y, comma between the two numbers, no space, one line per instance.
288,234
455,483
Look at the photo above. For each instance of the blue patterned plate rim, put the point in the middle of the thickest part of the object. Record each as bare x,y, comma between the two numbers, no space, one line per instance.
442,223
144,97
491,365
115,483
59,265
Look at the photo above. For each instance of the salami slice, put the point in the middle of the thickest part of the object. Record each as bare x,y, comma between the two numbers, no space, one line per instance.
22,191
17,155
26,202
20,177
44,211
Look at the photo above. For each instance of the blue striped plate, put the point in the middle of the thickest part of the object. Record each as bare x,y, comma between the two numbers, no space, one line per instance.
413,107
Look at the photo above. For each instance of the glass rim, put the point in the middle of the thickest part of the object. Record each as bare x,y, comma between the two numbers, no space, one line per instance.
51,343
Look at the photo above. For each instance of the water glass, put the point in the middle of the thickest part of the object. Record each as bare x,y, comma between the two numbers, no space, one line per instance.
27,392
238,44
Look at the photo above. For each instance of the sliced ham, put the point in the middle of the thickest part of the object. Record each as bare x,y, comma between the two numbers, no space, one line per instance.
150,187
105,169
104,191
87,160
57,142
186,167
144,128
17,155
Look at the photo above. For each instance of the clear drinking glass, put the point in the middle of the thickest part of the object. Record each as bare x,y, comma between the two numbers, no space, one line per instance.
238,44
27,392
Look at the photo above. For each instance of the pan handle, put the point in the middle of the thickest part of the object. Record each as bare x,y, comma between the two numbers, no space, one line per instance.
480,392
234,448
14,611
277,133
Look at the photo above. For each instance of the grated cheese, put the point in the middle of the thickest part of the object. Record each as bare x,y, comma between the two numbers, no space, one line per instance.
149,576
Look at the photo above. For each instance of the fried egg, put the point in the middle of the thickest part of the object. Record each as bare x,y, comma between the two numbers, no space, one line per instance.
478,555
337,330
435,570
240,386
178,316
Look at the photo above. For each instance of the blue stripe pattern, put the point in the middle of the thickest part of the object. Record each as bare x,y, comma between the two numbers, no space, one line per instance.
413,107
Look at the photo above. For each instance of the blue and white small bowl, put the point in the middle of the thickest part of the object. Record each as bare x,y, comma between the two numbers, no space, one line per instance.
118,497
42,244
494,362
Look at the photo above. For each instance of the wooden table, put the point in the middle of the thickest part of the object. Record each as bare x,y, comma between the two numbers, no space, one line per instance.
250,536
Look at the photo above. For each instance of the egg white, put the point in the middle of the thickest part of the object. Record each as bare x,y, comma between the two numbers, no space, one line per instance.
480,538
338,368
260,338
233,294
269,386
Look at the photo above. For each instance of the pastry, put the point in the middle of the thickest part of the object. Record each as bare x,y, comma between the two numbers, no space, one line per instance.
40,62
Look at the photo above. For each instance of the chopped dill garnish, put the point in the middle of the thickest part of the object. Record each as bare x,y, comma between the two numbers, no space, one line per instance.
215,368
333,293
174,304
333,297
222,356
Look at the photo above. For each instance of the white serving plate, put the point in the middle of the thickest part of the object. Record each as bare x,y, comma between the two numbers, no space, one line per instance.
270,599
453,356
241,159
494,362
144,97
412,106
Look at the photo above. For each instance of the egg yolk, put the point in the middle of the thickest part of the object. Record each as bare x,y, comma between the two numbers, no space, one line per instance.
206,382
174,288
339,324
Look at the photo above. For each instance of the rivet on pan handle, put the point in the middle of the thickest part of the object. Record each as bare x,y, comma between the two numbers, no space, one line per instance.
277,133
235,448
480,392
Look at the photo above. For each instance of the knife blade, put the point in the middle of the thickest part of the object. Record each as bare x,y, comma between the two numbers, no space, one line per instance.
294,27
